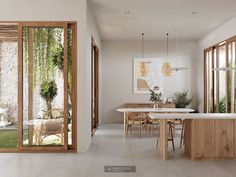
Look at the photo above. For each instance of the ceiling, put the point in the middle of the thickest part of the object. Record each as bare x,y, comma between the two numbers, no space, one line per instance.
127,19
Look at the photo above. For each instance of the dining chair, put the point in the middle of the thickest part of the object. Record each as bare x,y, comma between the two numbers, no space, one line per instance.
139,119
170,137
182,135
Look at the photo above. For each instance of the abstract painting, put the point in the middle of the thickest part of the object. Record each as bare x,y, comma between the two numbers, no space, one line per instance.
147,75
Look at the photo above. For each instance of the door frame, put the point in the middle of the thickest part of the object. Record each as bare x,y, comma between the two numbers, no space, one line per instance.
94,86
66,148
63,25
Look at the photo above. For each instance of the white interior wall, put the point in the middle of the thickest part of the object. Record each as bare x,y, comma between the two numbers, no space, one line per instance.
222,33
62,10
117,72
92,32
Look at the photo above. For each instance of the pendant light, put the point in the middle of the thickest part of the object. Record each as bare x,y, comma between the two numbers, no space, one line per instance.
167,67
142,45
143,70
181,68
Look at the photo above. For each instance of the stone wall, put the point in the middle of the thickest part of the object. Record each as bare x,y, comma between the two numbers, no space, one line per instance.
9,77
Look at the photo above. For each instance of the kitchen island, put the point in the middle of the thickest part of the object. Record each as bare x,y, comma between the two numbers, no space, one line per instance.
207,136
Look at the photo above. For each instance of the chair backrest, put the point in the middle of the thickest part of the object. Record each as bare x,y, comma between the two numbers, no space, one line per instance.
166,105
53,125
54,114
149,105
137,105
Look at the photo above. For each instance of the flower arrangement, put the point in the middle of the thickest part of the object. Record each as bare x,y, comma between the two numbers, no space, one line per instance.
155,96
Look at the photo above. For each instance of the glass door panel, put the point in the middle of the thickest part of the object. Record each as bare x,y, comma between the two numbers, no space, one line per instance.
8,87
45,86
70,86
215,80
210,81
222,79
231,77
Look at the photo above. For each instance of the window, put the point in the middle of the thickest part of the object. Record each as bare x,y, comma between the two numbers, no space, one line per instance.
220,79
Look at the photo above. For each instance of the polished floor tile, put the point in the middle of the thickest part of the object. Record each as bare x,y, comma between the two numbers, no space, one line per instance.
109,147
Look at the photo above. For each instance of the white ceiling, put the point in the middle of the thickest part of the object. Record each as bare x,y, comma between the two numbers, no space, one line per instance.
156,17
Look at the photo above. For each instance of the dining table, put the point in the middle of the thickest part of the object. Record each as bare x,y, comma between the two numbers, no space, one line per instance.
163,122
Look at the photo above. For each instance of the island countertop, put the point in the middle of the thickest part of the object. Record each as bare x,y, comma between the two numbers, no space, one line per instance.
193,116
158,110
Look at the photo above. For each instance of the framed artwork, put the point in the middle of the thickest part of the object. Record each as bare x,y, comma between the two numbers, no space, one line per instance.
147,75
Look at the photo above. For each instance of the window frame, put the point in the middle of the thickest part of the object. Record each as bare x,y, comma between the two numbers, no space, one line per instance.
215,91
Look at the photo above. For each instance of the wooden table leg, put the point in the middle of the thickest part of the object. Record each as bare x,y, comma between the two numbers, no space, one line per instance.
125,128
163,139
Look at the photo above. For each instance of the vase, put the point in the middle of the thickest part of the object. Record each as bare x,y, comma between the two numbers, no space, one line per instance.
155,106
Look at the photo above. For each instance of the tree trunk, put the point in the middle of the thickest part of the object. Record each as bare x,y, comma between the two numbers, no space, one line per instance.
49,105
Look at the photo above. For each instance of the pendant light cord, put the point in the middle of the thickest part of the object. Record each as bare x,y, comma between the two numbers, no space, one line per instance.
142,45
167,45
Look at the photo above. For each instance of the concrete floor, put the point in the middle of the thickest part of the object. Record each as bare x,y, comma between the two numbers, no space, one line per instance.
109,147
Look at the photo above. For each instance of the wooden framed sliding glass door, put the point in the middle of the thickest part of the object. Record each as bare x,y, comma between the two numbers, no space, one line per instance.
38,86
220,77
46,86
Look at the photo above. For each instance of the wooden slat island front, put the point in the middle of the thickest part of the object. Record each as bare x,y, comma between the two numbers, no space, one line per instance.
207,136
210,139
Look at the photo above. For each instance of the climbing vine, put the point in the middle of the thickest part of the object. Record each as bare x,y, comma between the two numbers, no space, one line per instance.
58,61
46,42
48,54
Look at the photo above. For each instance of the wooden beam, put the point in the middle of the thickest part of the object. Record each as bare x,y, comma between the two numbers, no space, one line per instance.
65,86
217,79
73,26
20,87
227,75
8,31
30,82
213,80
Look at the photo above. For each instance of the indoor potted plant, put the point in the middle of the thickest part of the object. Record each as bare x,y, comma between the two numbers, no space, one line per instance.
181,99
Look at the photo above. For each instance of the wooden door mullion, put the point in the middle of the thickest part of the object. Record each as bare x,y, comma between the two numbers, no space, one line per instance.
20,86
30,83
66,86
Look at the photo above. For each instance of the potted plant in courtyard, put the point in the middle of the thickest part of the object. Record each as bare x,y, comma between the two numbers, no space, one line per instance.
48,91
181,99
155,97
